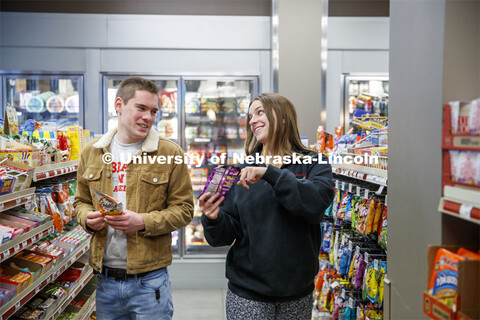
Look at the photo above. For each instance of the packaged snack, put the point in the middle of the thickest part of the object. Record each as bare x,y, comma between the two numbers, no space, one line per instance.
382,231
376,219
343,206
320,139
464,118
349,208
221,180
445,274
356,203
72,103
474,118
108,205
362,217
191,132
168,100
228,104
192,102
370,216
243,102
168,128
209,104
55,104
467,254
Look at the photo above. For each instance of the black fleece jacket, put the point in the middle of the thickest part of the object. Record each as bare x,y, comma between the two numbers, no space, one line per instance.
275,230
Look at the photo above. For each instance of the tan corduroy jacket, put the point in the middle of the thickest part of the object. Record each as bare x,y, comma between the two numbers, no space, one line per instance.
160,193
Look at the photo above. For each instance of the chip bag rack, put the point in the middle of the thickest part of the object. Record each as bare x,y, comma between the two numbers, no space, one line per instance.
468,291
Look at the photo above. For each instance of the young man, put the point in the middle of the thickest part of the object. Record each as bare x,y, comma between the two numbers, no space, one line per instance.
130,252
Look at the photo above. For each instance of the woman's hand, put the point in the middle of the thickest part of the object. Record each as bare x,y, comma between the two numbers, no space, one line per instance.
209,206
251,175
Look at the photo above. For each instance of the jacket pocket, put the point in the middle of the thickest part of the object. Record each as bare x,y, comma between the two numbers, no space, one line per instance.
93,177
154,186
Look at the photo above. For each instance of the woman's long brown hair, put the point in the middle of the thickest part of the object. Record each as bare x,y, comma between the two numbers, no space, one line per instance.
283,133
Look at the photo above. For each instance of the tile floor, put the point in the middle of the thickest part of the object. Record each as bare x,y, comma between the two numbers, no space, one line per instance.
199,304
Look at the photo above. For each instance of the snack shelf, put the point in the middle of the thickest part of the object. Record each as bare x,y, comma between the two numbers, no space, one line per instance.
456,141
372,175
15,199
461,202
25,240
72,293
17,302
84,315
56,169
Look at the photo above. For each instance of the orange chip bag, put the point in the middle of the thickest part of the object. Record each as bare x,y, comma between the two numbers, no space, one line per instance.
467,254
108,205
445,274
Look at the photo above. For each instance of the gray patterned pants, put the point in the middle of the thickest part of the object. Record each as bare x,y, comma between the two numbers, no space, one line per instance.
239,308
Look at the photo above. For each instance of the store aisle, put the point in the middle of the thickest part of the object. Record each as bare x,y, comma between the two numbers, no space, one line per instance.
199,304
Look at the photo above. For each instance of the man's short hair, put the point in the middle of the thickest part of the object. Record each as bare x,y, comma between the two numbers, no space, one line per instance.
129,86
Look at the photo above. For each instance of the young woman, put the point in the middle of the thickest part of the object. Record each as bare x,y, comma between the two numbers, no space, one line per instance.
271,218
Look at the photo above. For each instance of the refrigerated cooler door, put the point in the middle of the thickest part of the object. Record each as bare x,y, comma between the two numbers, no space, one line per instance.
215,119
167,122
56,100
367,93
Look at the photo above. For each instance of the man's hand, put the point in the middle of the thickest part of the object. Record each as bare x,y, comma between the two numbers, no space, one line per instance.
95,220
209,206
128,222
251,175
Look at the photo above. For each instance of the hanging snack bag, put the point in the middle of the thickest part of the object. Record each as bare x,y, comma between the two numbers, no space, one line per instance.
371,215
362,217
108,205
376,219
445,274
343,206
382,231
356,203
349,208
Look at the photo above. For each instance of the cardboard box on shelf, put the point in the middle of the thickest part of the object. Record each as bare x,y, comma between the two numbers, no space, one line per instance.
35,269
468,290
22,171
7,184
15,277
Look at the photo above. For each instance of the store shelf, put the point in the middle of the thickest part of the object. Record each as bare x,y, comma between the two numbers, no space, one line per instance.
56,169
87,309
72,293
25,240
15,199
461,203
372,175
16,303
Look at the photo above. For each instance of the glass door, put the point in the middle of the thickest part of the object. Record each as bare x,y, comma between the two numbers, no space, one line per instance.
364,94
168,118
56,99
215,116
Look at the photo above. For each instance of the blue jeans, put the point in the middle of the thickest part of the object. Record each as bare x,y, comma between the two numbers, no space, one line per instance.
145,298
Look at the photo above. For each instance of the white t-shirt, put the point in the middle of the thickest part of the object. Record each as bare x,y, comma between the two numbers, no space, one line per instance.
115,255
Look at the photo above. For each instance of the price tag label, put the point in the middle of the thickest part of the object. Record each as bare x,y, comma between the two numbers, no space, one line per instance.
366,257
358,191
72,260
336,184
343,293
343,185
465,210
350,186
18,201
350,245
334,285
375,264
37,290
351,303
1,206
16,248
17,305
24,244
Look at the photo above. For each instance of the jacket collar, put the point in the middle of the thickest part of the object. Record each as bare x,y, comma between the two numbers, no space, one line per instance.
150,143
